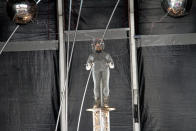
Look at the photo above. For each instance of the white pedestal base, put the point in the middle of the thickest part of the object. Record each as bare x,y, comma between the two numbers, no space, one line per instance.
101,118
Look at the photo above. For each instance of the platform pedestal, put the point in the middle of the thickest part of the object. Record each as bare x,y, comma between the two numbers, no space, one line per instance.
101,118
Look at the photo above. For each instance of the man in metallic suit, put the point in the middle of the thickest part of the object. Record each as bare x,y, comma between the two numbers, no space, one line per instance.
100,62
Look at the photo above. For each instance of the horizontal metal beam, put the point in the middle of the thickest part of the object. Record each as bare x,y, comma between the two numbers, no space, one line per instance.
122,33
87,35
30,45
166,40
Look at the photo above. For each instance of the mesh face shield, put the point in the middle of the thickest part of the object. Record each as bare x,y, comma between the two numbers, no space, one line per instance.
99,41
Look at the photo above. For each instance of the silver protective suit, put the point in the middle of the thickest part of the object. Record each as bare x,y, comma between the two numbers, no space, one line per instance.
100,64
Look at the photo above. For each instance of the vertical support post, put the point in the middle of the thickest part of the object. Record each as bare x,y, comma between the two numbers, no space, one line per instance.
134,69
62,71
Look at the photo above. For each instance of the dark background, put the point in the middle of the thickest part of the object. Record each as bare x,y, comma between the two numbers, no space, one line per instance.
29,93
152,19
166,73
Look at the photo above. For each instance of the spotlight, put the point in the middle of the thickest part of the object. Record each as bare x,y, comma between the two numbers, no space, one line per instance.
177,8
21,11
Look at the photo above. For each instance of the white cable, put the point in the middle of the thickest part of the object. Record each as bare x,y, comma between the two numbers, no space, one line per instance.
68,36
110,20
58,118
8,39
38,2
67,76
75,33
78,127
69,63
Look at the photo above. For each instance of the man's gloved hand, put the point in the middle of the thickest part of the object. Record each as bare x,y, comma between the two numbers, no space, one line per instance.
111,65
89,66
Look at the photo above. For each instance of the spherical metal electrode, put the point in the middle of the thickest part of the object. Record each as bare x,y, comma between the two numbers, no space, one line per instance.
177,8
21,11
